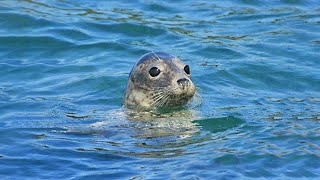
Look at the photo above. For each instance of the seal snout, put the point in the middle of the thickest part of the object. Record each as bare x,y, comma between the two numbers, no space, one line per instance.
183,82
186,87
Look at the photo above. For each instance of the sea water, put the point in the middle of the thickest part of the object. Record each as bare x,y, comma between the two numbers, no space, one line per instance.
63,72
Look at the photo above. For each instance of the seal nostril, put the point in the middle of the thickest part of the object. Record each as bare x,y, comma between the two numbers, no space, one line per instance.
183,81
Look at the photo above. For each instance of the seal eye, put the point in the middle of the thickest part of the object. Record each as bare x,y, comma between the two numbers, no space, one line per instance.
154,71
186,69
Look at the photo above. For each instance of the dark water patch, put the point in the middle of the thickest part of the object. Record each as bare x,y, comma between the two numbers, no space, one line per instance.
147,154
159,7
32,72
15,42
38,165
70,34
282,51
219,52
126,29
19,23
88,52
116,46
25,54
278,79
218,124
68,69
112,174
252,16
9,107
98,83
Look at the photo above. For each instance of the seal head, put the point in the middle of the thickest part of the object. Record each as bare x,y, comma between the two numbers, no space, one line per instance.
159,80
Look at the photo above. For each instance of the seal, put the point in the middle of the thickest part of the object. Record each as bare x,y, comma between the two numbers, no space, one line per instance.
159,80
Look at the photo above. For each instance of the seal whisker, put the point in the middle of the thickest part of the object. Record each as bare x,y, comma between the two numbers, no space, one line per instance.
196,100
157,94
158,98
164,99
156,56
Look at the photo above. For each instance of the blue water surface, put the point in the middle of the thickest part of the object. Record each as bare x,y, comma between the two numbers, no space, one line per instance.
63,72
